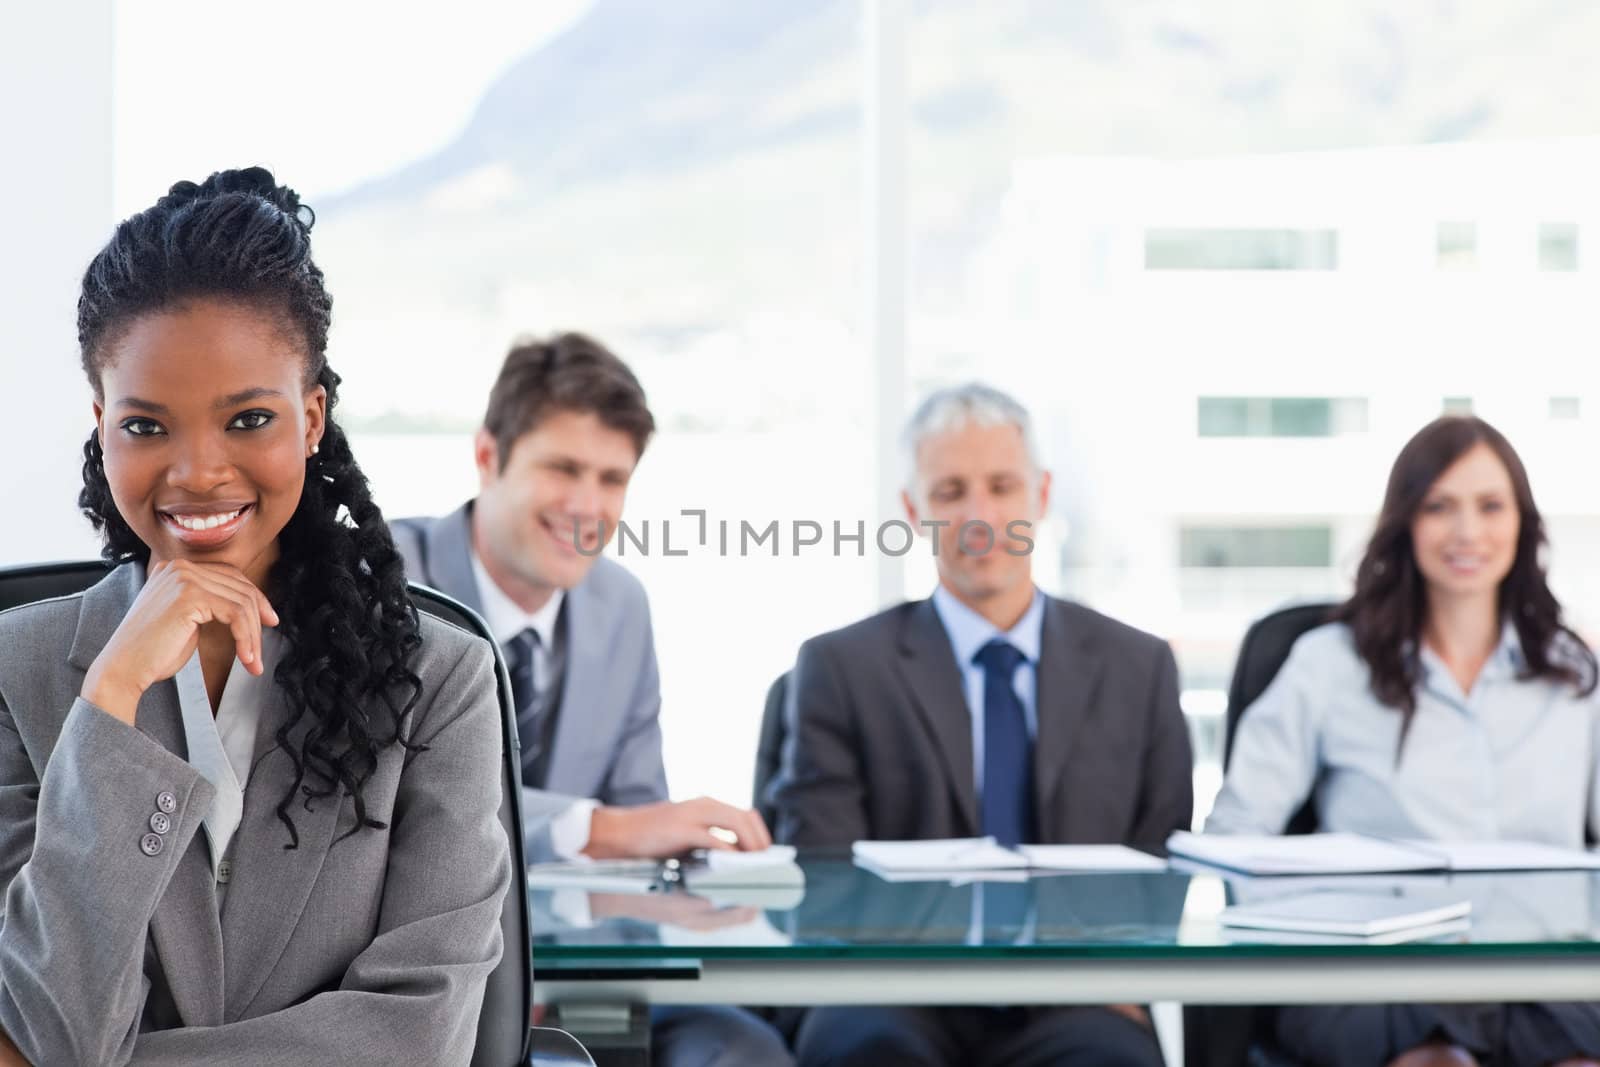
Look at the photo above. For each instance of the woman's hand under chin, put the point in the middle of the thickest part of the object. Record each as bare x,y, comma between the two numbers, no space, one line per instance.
162,628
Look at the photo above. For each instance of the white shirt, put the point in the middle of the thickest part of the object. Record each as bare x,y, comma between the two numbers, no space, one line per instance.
222,747
569,831
1513,759
968,633
506,620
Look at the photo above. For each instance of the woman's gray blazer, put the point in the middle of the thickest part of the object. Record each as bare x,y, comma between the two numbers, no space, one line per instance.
371,948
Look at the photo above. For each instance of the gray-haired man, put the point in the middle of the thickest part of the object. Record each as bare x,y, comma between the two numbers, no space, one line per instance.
988,708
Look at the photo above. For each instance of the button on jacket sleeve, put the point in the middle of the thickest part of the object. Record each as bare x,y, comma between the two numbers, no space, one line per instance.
82,890
369,947
412,996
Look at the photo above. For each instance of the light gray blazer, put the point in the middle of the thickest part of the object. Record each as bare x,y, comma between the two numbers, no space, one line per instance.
367,949
607,744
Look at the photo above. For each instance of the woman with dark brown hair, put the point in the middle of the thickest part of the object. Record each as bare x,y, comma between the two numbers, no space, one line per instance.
1446,700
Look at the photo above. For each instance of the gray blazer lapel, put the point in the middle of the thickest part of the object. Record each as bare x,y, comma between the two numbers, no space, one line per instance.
187,934
100,613
449,555
190,951
929,672
188,938
1069,672
267,894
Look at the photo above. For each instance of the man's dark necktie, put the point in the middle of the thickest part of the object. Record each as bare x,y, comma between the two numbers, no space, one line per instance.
519,664
1007,801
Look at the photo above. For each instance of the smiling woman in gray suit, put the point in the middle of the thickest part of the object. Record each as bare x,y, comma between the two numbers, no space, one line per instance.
246,812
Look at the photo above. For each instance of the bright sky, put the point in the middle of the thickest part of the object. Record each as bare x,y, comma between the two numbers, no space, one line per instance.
325,92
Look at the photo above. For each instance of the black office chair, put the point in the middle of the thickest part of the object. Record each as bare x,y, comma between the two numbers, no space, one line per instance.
505,1038
769,748
1262,654
1226,1036
42,581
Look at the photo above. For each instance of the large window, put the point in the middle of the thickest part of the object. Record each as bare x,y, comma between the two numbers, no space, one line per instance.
1232,256
679,182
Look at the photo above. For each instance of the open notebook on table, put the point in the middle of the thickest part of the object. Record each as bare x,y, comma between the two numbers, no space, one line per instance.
1336,853
1374,917
971,858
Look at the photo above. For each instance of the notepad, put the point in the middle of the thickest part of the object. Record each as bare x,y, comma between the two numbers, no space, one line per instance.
1510,856
1345,914
1090,858
1336,853
709,870
597,876
719,870
1256,936
728,859
1302,853
973,858
937,859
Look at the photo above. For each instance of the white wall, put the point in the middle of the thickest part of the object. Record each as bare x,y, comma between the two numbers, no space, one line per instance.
55,190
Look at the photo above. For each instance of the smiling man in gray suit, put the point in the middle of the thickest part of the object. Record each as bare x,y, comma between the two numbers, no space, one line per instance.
565,427
989,708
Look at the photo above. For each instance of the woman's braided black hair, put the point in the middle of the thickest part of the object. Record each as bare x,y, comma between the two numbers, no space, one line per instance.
338,585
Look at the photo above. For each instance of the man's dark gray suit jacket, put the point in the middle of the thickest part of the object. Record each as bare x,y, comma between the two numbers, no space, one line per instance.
878,740
607,744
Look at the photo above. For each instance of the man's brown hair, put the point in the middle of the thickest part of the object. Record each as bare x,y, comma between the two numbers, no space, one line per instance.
566,372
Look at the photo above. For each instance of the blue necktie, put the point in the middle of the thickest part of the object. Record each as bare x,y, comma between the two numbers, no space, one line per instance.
1007,802
519,664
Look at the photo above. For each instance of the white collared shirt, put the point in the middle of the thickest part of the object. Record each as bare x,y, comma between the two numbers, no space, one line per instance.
222,746
506,620
569,831
1513,759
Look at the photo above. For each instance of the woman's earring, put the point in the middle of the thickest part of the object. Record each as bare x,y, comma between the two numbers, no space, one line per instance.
314,450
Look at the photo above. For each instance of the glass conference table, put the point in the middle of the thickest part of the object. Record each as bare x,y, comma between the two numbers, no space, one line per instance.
853,938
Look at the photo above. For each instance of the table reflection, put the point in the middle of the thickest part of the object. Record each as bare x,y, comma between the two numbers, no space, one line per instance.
844,908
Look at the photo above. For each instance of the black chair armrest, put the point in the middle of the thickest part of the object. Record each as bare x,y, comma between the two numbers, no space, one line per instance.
557,1048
